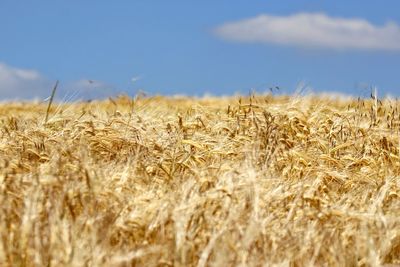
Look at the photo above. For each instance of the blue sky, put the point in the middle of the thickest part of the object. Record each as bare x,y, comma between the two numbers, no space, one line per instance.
197,47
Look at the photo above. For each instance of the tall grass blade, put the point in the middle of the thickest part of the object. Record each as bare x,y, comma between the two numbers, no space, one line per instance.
50,101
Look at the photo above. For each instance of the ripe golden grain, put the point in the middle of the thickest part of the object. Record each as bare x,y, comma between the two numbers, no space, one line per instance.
154,181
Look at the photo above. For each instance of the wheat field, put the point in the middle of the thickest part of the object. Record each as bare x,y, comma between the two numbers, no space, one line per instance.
256,180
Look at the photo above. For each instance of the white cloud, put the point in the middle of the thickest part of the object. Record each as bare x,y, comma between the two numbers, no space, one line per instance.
315,30
21,83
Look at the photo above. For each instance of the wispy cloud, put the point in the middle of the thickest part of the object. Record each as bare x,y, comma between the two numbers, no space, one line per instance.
314,30
19,83
136,78
87,89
